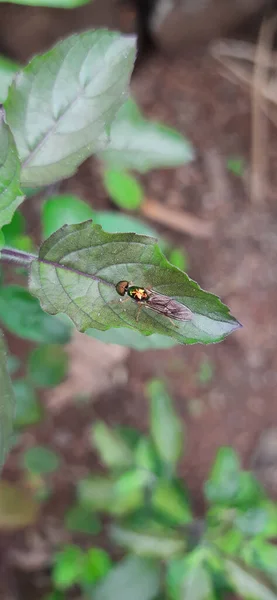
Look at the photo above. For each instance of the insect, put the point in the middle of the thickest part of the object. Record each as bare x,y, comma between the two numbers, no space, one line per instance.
164,305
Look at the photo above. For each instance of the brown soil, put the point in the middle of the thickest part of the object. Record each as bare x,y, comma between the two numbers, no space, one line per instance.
238,263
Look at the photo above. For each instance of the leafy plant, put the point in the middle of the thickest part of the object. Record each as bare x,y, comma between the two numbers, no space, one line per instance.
228,549
123,189
40,461
64,106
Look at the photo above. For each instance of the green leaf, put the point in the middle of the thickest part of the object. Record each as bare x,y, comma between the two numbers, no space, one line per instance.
68,567
128,492
63,209
14,229
47,365
96,492
82,520
111,447
2,241
145,456
178,258
261,555
140,144
230,541
7,404
40,460
8,68
236,165
154,542
18,508
28,409
10,193
133,578
259,520
21,314
169,500
97,565
79,266
166,428
247,584
132,339
188,579
123,189
250,492
50,3
76,90
223,483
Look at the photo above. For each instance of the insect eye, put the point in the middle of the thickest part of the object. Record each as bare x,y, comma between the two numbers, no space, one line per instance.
121,287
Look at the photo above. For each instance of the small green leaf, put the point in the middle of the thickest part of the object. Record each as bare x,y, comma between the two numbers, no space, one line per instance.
97,565
2,241
68,566
79,266
123,189
28,410
150,542
23,242
143,145
133,578
145,456
130,435
21,314
178,258
259,520
69,87
14,229
128,493
261,555
250,492
236,165
47,365
166,428
63,209
229,542
10,193
114,452
168,499
188,579
96,492
82,520
18,508
40,460
7,404
223,483
247,584
8,69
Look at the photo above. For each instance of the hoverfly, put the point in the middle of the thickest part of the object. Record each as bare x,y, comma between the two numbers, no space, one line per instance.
164,305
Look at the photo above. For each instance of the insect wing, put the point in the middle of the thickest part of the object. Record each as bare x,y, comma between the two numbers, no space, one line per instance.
168,307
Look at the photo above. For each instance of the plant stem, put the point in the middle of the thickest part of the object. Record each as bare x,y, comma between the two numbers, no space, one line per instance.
17,256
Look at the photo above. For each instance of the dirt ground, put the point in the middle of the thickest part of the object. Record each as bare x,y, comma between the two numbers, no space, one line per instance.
238,262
